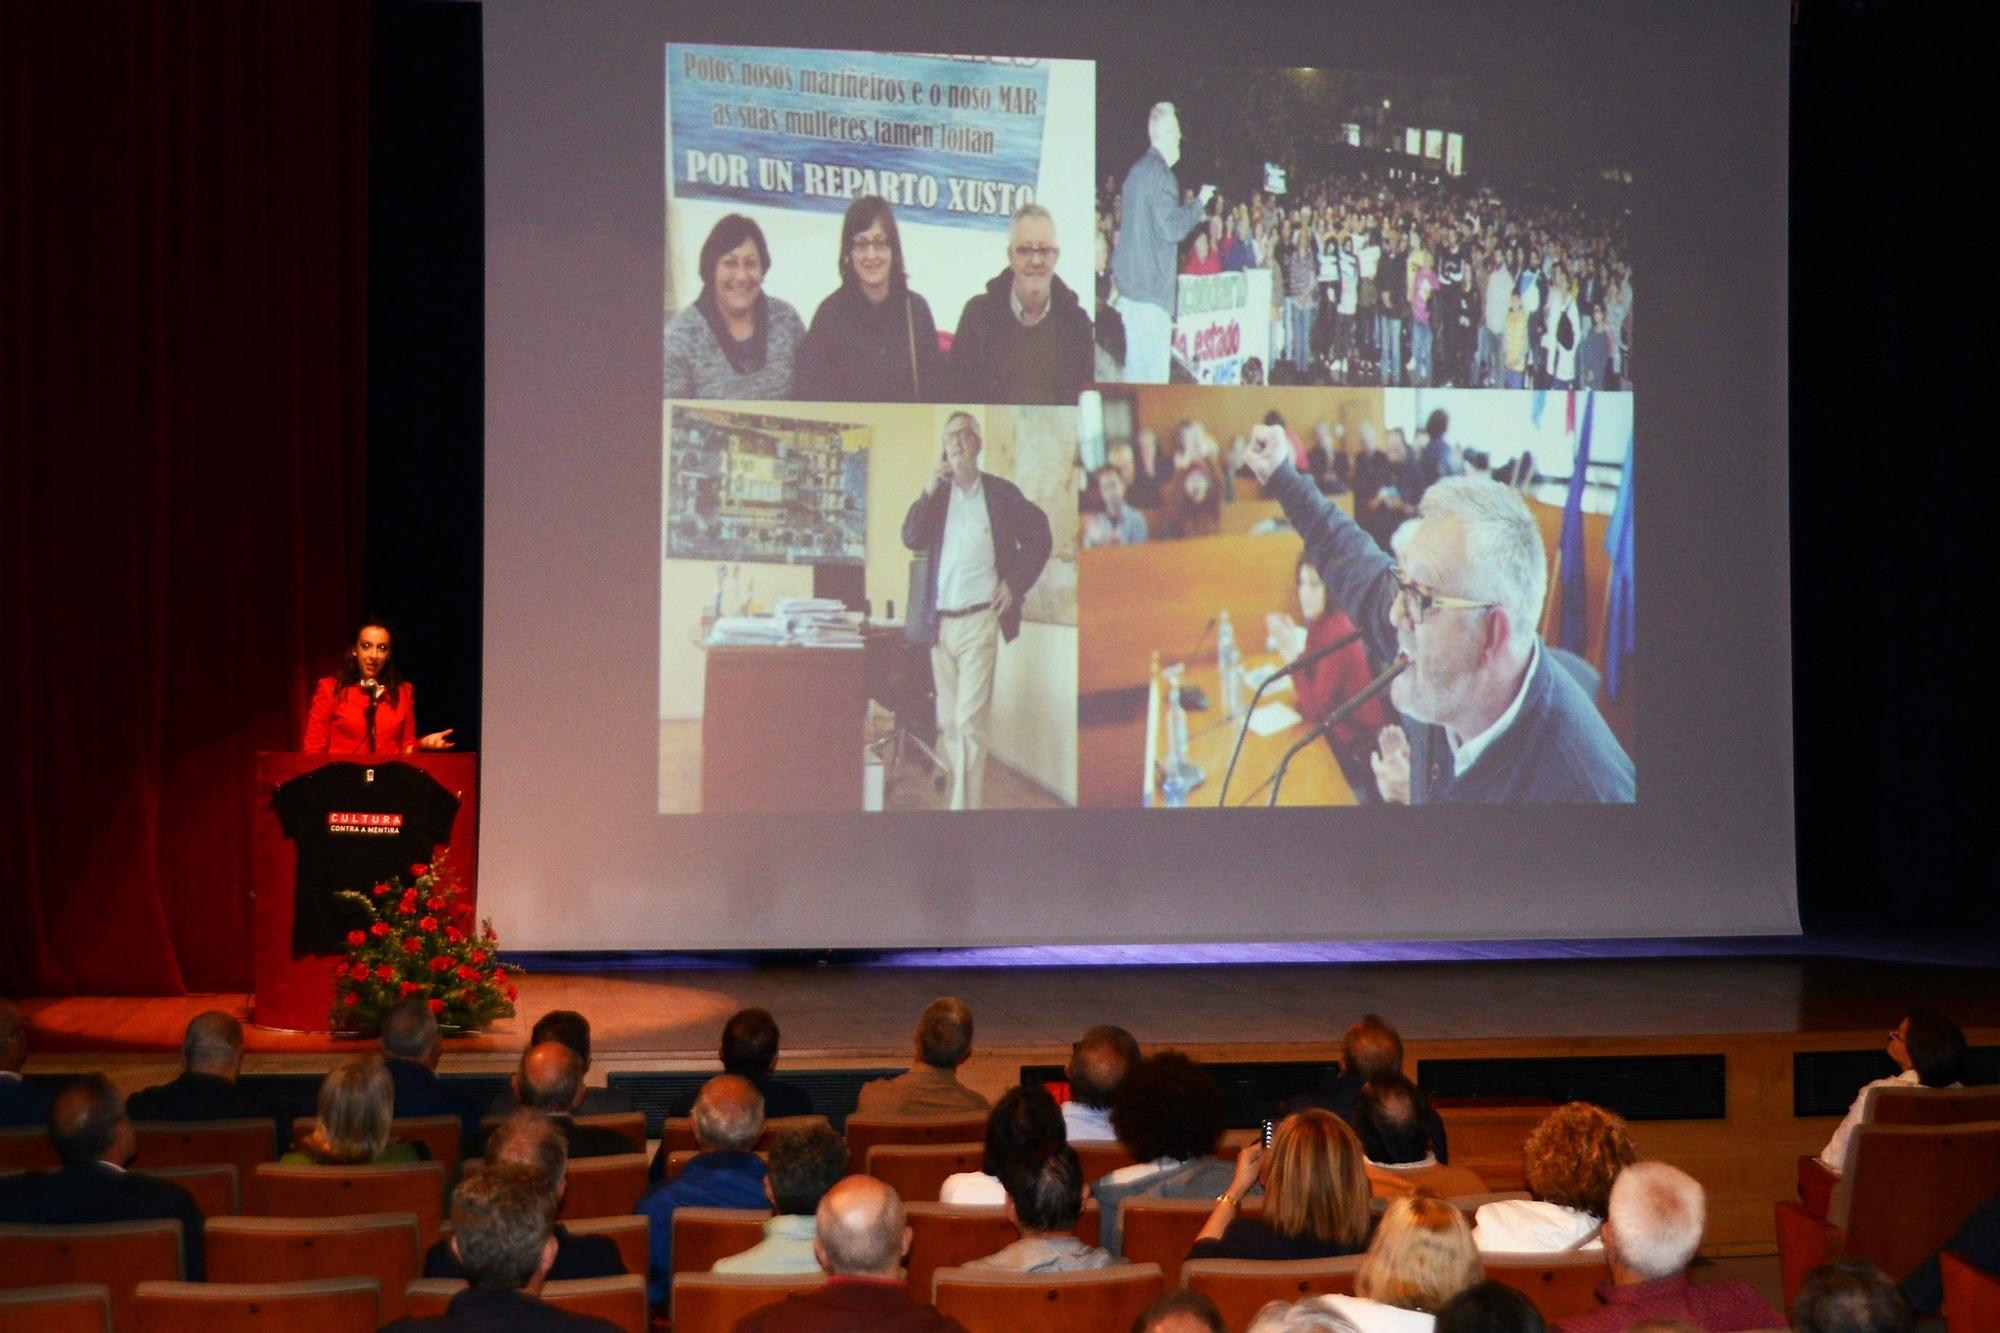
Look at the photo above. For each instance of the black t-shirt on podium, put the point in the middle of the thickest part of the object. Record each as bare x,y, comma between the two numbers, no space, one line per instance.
354,826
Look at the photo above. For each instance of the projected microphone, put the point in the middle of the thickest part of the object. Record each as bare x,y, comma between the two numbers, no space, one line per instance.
1297,664
1336,717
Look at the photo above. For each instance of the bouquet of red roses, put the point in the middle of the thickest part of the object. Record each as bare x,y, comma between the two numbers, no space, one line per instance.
420,941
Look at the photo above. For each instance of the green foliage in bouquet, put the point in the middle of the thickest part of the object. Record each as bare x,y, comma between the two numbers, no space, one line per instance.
420,942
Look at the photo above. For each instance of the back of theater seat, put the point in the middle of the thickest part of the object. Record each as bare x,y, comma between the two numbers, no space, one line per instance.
1971,1298
631,1233
27,1148
622,1300
1488,1140
603,1186
713,1302
383,1246
1099,1160
916,1171
326,1305
1561,1285
945,1235
703,1235
1162,1231
79,1308
986,1301
345,1191
241,1143
216,1189
864,1132
118,1254
1242,1287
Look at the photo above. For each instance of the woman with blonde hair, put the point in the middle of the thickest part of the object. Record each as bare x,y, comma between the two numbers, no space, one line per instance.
356,1106
1572,1159
1421,1257
1315,1196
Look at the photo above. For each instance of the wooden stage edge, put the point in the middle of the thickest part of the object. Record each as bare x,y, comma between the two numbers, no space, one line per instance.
1754,1013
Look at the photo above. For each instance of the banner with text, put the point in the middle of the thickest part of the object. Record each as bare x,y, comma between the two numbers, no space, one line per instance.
951,140
1222,321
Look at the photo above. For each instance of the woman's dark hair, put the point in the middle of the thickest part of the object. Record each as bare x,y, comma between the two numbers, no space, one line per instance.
862,214
1168,1106
1936,1047
1490,1307
1024,1117
726,235
349,670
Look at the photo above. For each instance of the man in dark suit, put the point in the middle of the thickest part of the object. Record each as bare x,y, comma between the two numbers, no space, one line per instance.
502,1229
750,1051
572,1029
94,1140
860,1242
528,1139
411,1044
212,1052
550,1080
21,1102
987,544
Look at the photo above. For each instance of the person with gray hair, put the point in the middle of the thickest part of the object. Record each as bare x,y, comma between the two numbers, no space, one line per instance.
1300,1317
1490,714
1026,338
1153,222
550,1080
930,1087
21,1103
1650,1237
411,1046
212,1053
530,1139
728,1117
862,1238
1852,1296
503,1232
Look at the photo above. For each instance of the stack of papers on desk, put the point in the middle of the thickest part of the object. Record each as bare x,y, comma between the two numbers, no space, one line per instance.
762,631
807,621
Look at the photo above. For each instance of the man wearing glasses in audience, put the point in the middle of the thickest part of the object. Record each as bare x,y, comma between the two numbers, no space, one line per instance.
1025,339
1492,715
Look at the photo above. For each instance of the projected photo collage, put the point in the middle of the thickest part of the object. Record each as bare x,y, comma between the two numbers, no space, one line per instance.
1039,434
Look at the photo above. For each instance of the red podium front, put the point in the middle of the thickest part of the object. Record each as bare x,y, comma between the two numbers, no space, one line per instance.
294,993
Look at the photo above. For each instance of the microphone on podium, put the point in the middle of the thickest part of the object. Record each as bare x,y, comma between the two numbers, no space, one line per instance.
1297,664
1336,717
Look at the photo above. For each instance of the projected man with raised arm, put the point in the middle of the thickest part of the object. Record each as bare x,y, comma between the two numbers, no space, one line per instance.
1494,717
987,544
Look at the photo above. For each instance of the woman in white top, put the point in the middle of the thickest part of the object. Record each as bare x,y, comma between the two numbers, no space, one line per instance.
1421,1257
1573,1156
1023,1117
1928,1048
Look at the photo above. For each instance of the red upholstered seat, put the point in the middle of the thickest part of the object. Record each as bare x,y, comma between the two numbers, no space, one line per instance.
703,1235
327,1305
601,1186
120,1255
986,1301
1242,1287
917,1171
78,1308
383,1246
1971,1298
713,1302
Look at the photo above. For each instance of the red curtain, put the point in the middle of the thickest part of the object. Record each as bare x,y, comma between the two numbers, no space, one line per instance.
183,228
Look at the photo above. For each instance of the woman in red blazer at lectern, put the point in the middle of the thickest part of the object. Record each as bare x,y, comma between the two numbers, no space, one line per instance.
366,707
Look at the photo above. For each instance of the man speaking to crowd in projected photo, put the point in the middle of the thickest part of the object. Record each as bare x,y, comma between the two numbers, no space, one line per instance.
1491,716
987,544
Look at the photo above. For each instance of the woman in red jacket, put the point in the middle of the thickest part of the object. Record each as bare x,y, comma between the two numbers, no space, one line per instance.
366,707
1333,679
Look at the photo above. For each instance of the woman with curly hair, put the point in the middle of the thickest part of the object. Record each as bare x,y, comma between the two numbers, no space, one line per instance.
1170,1115
356,1105
1573,1157
1315,1196
1421,1257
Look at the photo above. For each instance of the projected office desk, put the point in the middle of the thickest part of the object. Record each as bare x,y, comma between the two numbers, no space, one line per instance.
781,730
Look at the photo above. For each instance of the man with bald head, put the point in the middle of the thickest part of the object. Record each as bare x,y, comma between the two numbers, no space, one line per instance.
212,1053
21,1102
860,1243
94,1140
411,1047
550,1080
725,1173
1097,1065
530,1139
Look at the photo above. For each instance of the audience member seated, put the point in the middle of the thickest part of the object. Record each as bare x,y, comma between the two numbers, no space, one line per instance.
1490,1307
931,1087
1024,1117
1370,1047
1112,522
1181,1311
1929,1049
1977,1242
1315,1196
503,1231
750,1050
1169,1114
1302,1317
21,1103
411,1044
1191,506
1421,1257
1573,1157
1852,1296
94,1141
550,1080
1392,1117
1044,1199
356,1102
529,1139
212,1053
805,1163
572,1030
1650,1237
1097,1063
861,1244
728,1117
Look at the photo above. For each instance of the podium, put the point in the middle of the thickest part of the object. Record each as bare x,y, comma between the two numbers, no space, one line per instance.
294,993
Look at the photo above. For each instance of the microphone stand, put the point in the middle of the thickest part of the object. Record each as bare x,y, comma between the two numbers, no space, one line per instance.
1302,661
1335,718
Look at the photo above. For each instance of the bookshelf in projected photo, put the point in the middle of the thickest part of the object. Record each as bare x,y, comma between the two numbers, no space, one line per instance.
748,486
